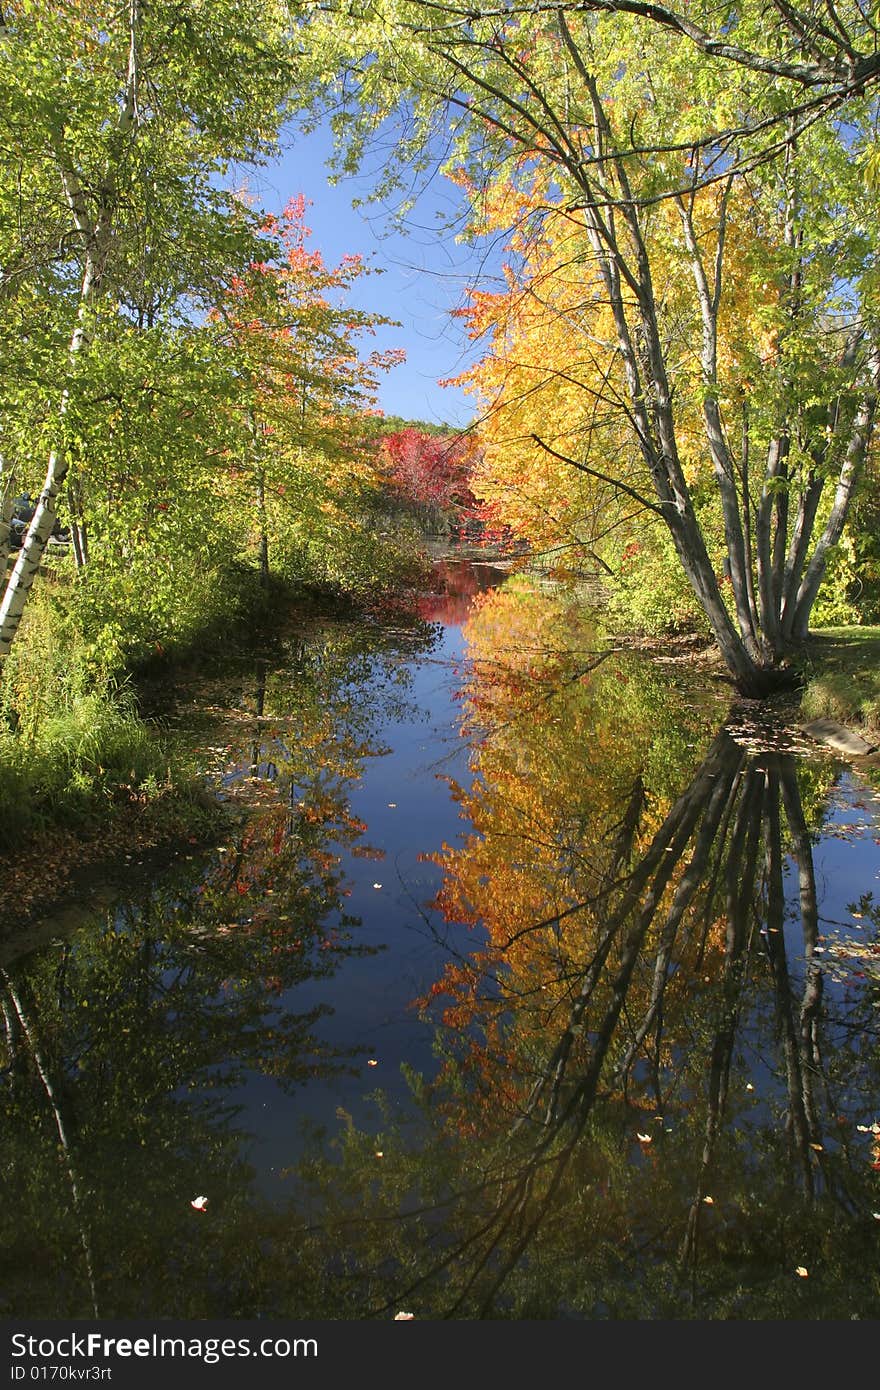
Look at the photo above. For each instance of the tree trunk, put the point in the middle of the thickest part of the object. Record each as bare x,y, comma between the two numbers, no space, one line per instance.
849,475
264,534
78,531
21,579
94,228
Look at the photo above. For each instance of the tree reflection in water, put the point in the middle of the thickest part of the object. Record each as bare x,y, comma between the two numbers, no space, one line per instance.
669,1122
651,1102
653,1098
128,1046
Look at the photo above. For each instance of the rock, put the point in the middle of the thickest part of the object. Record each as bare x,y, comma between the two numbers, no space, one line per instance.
838,737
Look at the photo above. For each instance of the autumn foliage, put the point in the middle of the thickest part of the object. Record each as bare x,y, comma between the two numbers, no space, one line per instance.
431,470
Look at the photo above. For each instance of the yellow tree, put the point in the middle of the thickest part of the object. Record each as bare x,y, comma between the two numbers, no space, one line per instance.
560,464
603,112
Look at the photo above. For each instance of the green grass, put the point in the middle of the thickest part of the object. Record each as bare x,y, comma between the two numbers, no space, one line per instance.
842,673
75,766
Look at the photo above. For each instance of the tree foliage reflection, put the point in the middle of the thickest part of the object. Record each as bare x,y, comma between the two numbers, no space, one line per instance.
657,1077
655,1100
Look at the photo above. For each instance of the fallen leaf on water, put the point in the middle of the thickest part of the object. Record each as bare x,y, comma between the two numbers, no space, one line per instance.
200,1203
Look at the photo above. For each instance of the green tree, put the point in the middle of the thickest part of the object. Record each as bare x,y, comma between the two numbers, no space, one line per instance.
123,120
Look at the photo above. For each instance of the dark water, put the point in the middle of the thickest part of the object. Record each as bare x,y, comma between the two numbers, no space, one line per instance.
534,982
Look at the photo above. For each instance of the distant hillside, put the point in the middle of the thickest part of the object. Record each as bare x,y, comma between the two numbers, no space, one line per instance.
393,424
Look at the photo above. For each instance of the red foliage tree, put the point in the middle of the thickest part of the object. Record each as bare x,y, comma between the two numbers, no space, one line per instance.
431,470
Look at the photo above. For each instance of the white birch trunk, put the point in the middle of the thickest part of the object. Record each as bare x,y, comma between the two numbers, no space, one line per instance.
860,439
26,567
95,231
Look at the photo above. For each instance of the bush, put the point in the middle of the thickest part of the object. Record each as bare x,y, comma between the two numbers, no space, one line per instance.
649,592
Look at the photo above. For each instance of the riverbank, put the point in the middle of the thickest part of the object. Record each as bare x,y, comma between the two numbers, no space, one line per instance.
60,865
169,805
842,678
104,779
839,669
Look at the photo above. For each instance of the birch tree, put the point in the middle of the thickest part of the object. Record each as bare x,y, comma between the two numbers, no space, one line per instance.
122,120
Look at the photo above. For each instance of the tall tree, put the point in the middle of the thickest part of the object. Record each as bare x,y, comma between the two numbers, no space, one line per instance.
306,391
123,118
607,117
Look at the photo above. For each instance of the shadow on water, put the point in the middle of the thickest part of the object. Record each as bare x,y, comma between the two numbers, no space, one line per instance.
642,1078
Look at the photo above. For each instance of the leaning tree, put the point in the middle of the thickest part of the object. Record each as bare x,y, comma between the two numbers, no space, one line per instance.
608,112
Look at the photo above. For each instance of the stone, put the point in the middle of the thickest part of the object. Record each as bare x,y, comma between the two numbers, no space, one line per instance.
838,737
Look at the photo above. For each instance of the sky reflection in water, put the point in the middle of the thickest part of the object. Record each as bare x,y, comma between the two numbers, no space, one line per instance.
643,1076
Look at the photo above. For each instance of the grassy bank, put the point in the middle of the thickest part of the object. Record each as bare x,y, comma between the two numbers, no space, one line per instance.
842,678
77,754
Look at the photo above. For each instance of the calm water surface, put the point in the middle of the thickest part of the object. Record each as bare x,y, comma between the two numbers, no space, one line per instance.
534,981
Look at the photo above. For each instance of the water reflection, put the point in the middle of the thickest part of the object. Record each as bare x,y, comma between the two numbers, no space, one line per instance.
659,1094
655,1090
130,1048
649,1071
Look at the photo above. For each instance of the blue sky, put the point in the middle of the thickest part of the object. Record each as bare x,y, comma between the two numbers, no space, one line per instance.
424,273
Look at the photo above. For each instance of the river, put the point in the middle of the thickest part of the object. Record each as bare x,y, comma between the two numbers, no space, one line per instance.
531,980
